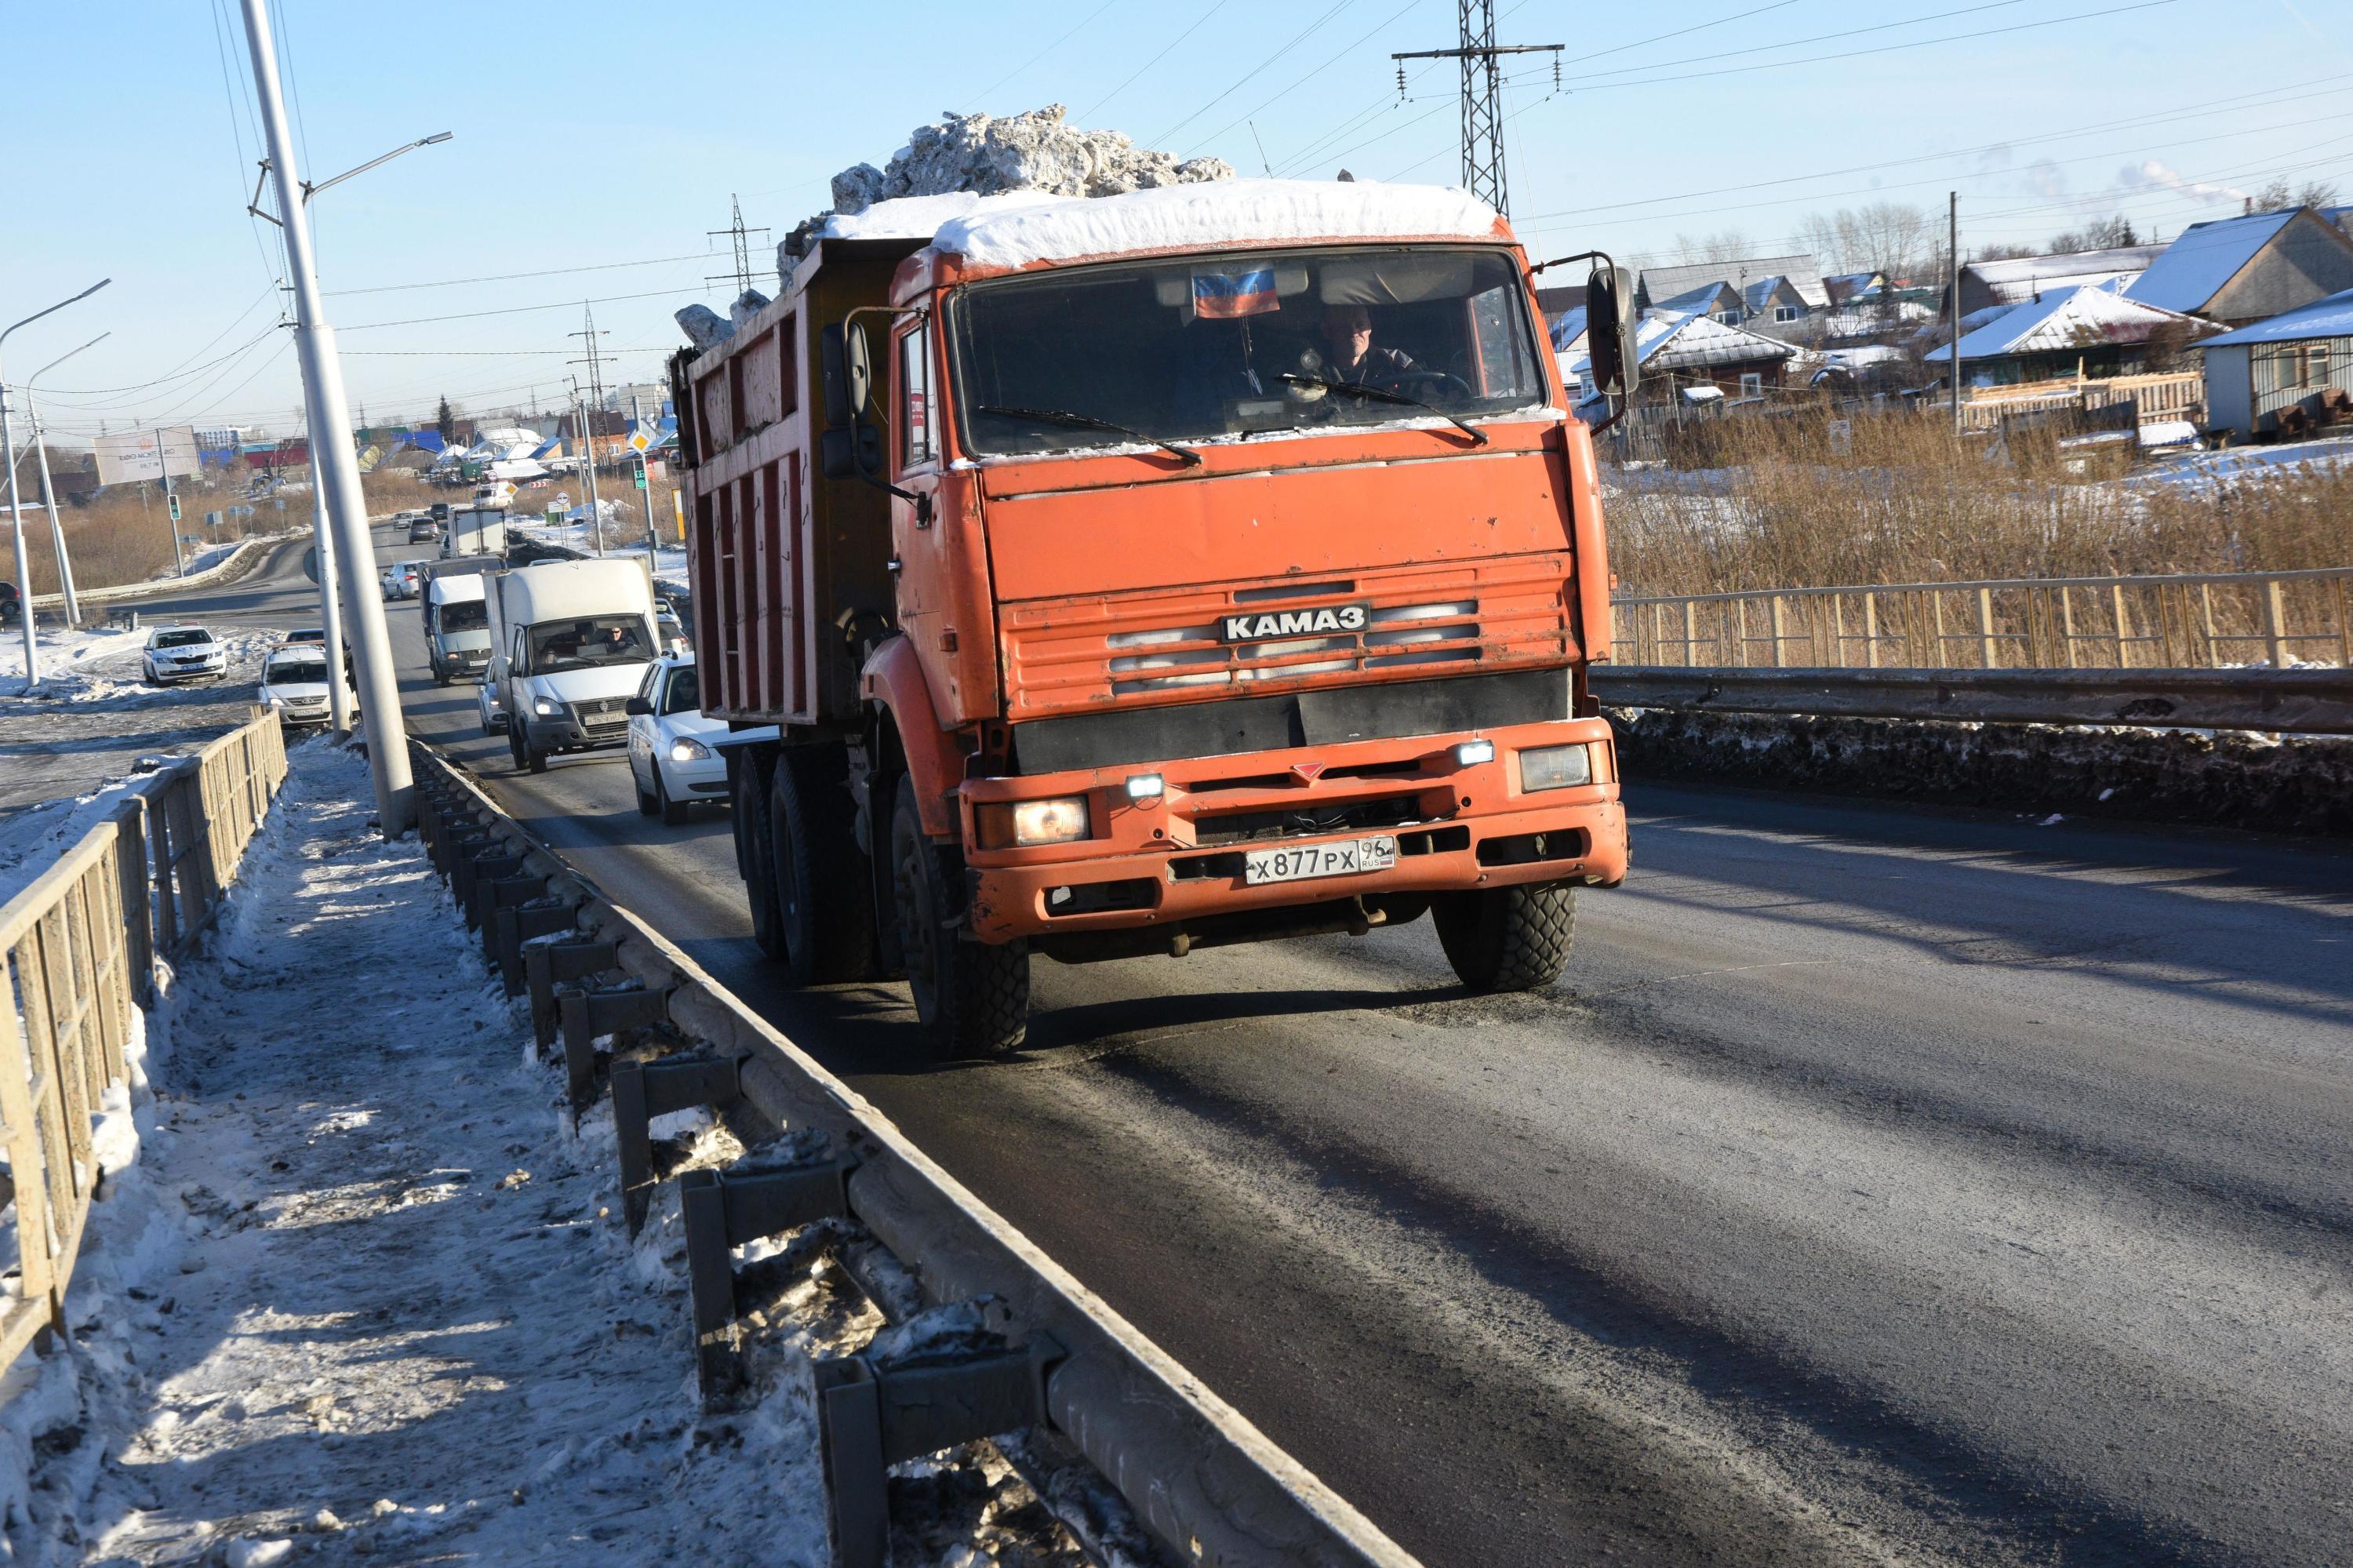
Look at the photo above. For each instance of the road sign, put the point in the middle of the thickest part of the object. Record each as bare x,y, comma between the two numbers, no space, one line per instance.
212,519
639,441
311,563
641,474
175,507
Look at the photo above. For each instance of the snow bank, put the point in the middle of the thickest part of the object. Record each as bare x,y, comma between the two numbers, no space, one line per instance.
1232,212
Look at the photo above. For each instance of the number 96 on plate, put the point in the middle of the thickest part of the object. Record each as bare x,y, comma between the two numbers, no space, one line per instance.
1298,863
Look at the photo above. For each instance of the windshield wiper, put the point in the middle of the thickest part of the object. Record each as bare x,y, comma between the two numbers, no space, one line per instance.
1088,421
1383,395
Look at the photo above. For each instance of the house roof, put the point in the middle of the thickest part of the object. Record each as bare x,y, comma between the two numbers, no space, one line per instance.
1805,275
2328,317
1705,300
1844,286
1689,342
1567,327
2205,256
1760,294
2080,317
2018,279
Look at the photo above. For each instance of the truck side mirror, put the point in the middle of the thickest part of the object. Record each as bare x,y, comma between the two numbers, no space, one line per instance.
833,374
1609,331
858,367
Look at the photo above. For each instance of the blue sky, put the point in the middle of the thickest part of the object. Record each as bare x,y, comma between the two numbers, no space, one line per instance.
607,136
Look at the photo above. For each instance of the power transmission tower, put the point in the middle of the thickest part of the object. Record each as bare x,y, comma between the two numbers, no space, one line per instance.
741,238
1483,96
595,405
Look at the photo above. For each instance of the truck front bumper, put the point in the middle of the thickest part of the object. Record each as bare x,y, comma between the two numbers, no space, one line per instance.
1180,858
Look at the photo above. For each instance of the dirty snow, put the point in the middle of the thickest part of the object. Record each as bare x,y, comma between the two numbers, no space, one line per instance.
352,1289
990,155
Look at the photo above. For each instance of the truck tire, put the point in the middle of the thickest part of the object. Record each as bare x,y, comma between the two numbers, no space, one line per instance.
750,795
822,907
971,997
1507,938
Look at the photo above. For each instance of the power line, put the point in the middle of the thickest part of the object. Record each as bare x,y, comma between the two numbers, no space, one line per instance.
1797,43
520,310
1306,76
1248,77
1154,60
174,376
1041,53
510,277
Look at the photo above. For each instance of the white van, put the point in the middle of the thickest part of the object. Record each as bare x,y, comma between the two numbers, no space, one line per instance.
570,643
457,626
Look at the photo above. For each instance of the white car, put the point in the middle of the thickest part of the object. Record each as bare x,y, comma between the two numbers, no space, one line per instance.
294,685
401,580
493,712
183,653
670,757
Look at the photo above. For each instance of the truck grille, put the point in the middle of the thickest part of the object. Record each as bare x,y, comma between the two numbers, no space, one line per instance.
1064,654
601,714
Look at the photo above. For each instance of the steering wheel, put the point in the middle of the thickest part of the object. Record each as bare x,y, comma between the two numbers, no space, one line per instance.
1429,385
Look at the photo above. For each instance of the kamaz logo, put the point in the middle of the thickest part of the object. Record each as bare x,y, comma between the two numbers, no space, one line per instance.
1251,627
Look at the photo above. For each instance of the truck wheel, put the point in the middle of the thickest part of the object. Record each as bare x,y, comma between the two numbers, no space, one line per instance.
820,878
757,860
1507,938
972,998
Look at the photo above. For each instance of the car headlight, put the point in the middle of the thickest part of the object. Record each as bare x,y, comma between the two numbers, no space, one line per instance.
686,748
275,701
1025,824
1555,768
544,709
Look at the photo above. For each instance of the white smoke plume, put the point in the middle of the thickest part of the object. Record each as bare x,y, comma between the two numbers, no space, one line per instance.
2153,174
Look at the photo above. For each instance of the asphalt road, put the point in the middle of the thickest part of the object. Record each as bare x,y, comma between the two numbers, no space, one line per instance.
1879,1185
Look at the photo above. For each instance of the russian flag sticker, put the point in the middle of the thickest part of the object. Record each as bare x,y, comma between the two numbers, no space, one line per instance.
1223,295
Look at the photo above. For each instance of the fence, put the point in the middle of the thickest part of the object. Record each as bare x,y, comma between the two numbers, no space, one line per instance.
2190,622
78,947
2171,395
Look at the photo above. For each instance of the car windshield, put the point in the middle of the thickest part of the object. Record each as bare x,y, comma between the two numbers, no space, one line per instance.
1206,348
465,615
188,639
588,642
295,673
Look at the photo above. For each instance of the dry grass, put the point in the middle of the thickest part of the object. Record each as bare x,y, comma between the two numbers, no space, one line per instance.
125,536
1896,503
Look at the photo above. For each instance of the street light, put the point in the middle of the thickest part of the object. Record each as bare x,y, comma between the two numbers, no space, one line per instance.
48,490
310,190
16,513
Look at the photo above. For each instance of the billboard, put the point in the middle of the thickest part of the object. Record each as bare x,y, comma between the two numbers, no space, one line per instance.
146,454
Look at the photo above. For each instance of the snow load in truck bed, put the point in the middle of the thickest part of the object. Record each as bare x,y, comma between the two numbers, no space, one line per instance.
1020,228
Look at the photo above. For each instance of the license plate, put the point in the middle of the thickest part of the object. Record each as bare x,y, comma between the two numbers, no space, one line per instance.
1297,863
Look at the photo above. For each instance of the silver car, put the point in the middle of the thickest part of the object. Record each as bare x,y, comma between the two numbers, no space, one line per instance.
183,653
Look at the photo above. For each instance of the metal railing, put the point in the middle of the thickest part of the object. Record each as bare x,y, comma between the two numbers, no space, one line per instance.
2215,621
78,951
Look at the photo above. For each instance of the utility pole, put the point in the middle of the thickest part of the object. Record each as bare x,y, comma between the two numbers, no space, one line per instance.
1953,236
1483,96
323,381
48,490
597,404
15,510
645,484
740,240
171,502
331,614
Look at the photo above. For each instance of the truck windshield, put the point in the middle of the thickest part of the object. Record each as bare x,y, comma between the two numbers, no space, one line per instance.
1209,346
464,615
587,643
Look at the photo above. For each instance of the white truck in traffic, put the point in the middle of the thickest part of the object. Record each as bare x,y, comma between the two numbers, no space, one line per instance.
570,643
475,531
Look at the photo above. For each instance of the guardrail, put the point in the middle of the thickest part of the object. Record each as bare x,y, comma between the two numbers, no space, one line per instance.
2289,702
78,951
2208,621
1124,1445
232,564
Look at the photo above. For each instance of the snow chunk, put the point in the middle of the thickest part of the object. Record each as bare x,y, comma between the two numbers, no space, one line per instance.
1232,212
919,217
981,155
705,328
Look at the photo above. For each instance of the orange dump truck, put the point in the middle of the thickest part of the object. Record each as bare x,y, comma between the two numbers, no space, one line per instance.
1120,577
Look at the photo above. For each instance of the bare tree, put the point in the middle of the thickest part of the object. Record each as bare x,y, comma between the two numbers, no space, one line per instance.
2279,194
1890,237
1725,245
2102,234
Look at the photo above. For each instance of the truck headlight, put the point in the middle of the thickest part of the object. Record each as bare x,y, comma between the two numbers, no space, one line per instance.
686,748
1025,824
1555,768
544,709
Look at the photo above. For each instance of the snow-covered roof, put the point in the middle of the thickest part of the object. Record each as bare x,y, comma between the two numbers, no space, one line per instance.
2017,278
1686,342
1805,275
2331,317
1844,286
1705,300
1760,294
1211,213
2081,317
2205,256
1568,326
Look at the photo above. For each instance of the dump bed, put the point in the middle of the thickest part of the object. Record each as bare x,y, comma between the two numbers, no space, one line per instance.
790,570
